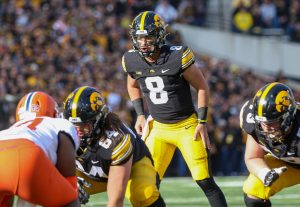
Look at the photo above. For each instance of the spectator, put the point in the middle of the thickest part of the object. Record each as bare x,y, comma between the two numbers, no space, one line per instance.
166,11
282,13
242,20
268,14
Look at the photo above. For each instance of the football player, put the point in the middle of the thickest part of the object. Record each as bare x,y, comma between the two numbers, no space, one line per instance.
163,74
37,155
111,158
272,123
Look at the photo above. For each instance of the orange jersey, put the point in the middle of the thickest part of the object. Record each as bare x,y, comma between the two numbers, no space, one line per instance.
43,131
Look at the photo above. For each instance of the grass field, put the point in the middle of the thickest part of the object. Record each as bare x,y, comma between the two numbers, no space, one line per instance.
183,192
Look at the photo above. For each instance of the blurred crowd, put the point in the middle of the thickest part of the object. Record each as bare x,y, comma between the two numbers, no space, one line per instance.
56,46
267,17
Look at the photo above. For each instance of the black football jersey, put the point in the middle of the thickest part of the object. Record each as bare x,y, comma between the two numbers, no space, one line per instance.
289,151
166,92
96,159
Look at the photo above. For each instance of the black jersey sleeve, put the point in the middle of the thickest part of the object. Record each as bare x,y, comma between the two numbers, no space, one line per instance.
129,61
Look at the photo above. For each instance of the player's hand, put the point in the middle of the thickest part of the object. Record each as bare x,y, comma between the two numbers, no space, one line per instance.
269,176
146,128
82,194
202,131
140,123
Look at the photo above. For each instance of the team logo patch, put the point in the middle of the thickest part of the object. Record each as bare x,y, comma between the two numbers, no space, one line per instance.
35,108
282,101
96,101
156,20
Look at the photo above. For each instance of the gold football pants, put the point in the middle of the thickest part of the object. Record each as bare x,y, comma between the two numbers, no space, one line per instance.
163,139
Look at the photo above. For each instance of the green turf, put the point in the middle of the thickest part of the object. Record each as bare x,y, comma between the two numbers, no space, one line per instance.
183,192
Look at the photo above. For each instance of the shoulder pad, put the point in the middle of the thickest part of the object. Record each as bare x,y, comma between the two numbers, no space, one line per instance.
123,63
188,57
247,122
123,148
127,58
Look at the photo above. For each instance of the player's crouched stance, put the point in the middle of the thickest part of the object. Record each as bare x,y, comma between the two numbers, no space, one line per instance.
111,158
272,122
37,155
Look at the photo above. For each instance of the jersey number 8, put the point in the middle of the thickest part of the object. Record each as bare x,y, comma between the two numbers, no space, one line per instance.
156,86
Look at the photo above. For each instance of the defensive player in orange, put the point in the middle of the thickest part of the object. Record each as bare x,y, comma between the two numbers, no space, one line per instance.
37,155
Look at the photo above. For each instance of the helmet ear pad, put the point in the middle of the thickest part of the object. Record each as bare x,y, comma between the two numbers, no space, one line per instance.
99,122
288,118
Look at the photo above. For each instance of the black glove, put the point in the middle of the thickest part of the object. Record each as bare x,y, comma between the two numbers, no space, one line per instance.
82,194
270,176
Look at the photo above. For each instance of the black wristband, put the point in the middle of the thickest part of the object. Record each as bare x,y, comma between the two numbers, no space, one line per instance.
138,106
202,114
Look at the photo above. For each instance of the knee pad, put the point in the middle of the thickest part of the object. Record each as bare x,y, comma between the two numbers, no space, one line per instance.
158,203
251,202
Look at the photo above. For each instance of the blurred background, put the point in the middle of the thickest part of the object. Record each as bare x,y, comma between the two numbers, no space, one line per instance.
240,45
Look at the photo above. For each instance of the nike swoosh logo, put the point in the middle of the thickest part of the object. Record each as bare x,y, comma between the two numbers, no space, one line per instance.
187,127
164,71
95,162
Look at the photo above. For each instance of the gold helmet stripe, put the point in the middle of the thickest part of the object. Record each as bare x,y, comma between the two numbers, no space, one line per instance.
263,98
142,25
75,101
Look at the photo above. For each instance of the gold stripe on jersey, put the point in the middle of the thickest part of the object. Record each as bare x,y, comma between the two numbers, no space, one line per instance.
187,58
262,99
142,25
123,64
75,101
122,150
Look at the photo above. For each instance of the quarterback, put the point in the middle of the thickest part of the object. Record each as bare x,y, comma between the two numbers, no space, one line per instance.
162,74
272,122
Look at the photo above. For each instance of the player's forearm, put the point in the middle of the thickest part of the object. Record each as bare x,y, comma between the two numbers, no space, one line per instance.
254,165
202,98
115,202
116,194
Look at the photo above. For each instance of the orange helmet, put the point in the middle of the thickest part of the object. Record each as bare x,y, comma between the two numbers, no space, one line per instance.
36,104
